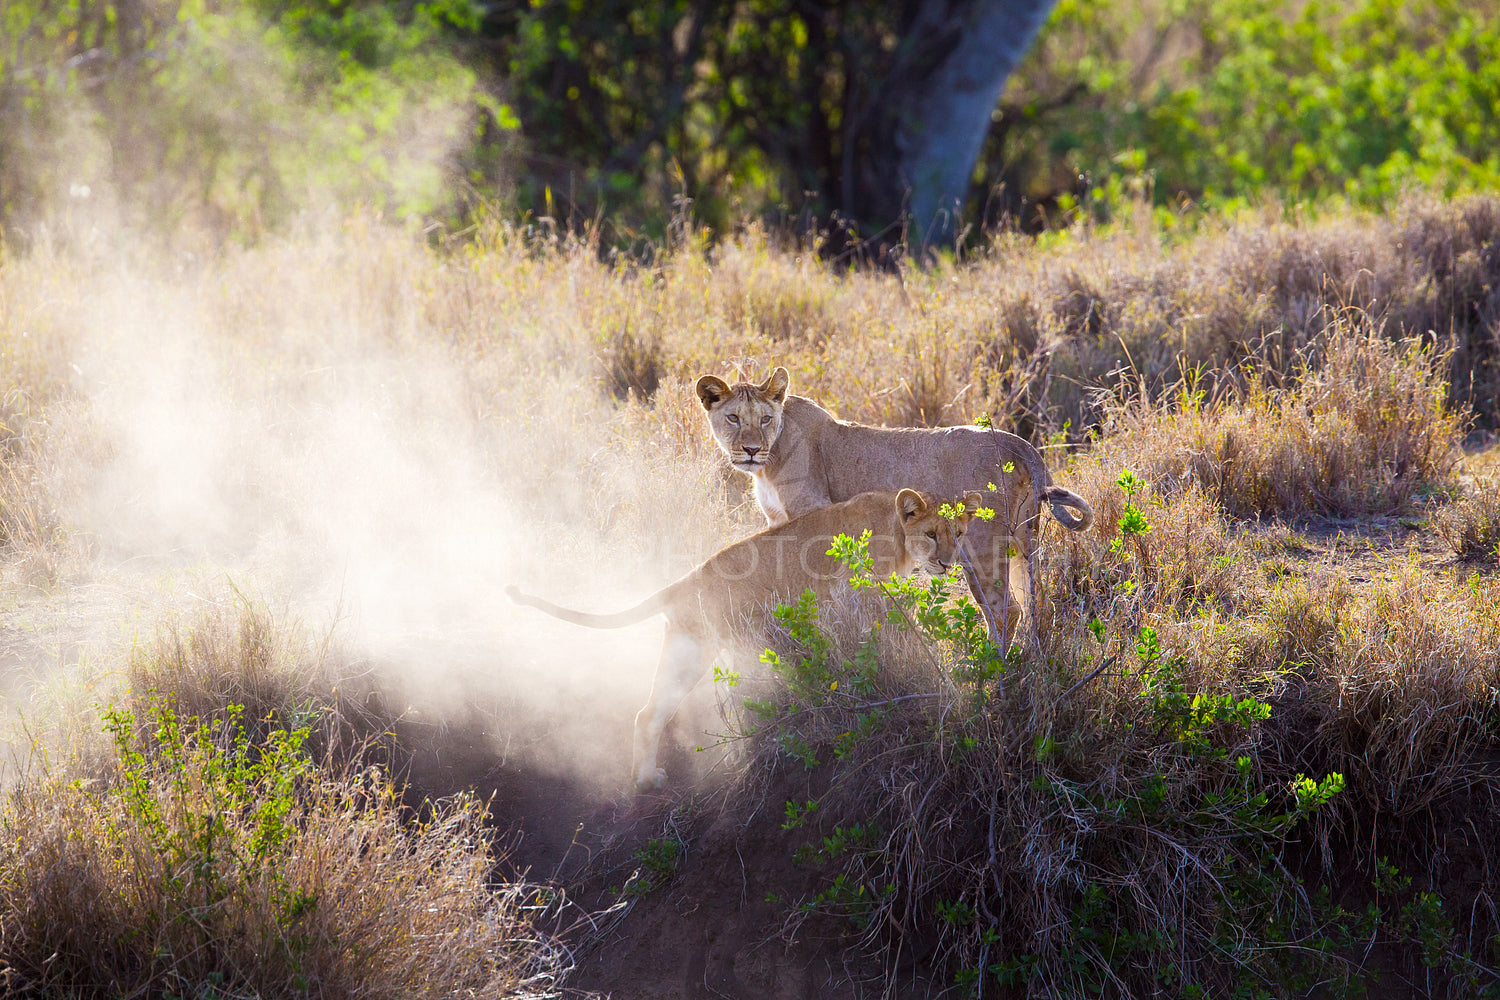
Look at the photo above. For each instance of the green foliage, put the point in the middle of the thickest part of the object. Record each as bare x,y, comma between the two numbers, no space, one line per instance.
1218,100
929,609
814,675
642,110
1188,717
1130,483
213,803
231,115
850,898
1195,782
797,814
843,839
659,859
660,113
1133,522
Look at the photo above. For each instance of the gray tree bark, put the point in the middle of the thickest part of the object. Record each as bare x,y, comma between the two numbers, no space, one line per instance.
914,148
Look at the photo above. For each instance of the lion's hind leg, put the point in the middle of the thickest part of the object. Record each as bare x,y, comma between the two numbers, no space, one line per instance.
685,657
994,563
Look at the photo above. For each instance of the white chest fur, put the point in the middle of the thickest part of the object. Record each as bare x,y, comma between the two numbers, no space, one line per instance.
770,503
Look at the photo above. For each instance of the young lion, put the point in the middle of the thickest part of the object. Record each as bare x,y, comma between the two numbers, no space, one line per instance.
706,609
801,458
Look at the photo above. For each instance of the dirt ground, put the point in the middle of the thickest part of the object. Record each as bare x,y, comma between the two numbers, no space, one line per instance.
704,930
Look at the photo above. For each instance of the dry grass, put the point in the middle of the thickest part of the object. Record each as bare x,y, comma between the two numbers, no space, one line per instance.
232,652
1410,687
1363,431
237,835
156,884
1020,333
1189,558
1471,526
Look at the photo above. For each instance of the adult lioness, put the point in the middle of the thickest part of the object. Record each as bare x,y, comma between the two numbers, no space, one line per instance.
801,458
711,607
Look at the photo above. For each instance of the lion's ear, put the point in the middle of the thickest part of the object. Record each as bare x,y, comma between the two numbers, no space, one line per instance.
909,504
972,501
776,386
711,391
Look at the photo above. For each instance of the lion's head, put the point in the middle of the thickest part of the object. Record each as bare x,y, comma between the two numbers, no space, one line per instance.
932,535
745,418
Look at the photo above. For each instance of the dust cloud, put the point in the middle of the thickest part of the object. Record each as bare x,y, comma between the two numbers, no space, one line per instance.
259,424
368,436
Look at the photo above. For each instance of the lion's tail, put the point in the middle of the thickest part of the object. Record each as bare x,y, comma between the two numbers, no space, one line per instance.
650,606
1060,500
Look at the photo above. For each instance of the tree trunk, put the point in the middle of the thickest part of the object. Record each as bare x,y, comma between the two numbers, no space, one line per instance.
911,153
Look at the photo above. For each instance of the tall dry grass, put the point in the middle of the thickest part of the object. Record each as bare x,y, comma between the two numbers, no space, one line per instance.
1363,429
159,882
1408,689
217,833
1020,333
1471,526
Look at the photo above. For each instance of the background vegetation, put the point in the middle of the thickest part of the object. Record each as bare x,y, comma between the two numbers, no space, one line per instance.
233,114
323,301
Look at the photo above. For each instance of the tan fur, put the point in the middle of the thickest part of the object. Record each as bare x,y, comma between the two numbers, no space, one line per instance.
707,611
802,458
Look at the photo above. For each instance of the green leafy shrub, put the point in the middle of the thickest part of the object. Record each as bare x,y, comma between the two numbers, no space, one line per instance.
1051,820
223,855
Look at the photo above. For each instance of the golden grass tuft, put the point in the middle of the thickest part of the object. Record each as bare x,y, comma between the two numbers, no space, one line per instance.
1471,526
1364,431
164,880
1411,686
234,651
233,832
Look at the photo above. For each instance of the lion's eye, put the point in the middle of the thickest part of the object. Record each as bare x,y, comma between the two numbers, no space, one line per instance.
932,535
765,420
733,419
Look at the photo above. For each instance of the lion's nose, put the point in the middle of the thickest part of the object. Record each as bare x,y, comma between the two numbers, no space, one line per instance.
750,451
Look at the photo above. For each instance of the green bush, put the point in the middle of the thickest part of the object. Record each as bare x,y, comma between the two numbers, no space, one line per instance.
1230,99
221,856
1126,835
228,118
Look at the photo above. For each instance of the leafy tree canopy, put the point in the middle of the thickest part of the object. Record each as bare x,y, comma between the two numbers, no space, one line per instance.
237,113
